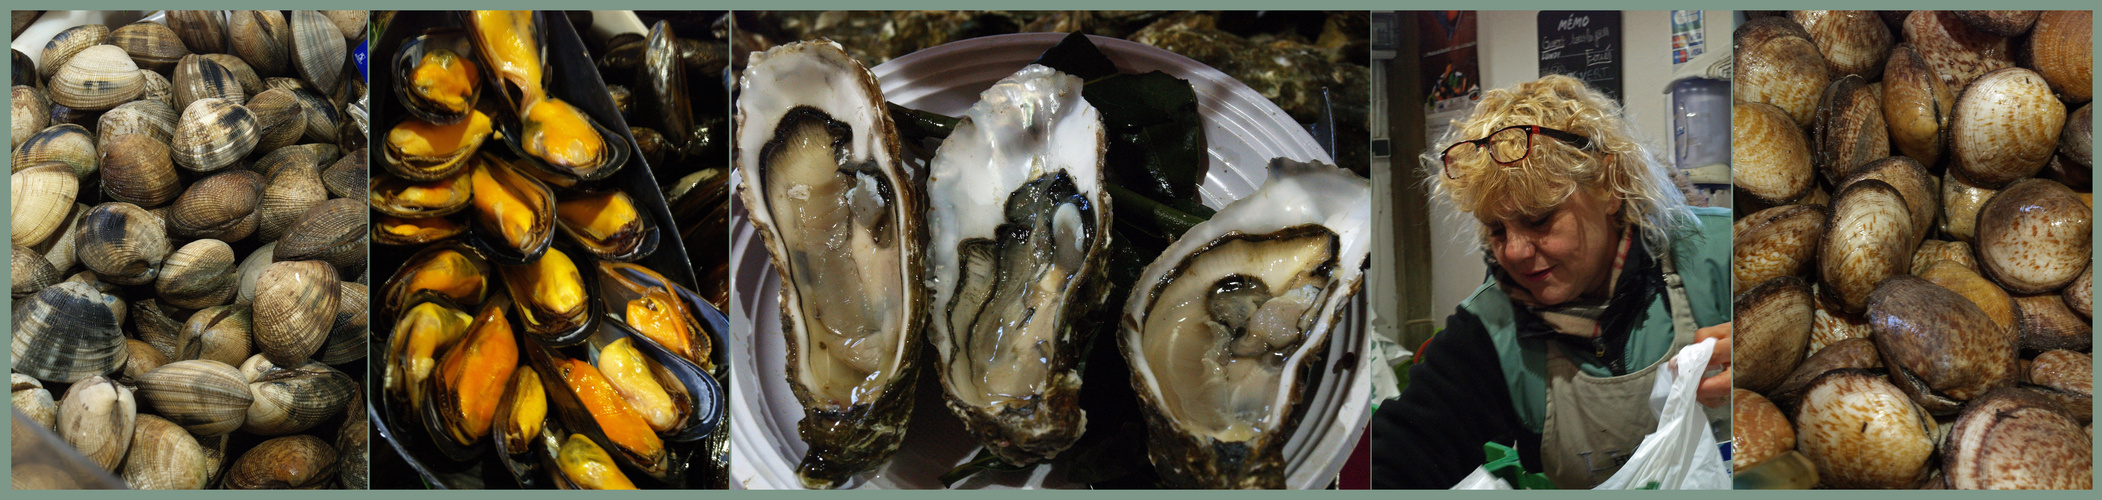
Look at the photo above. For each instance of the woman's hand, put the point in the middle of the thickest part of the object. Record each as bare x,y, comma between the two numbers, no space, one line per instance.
1715,391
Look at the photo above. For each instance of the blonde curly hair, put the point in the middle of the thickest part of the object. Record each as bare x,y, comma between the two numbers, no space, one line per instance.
1617,164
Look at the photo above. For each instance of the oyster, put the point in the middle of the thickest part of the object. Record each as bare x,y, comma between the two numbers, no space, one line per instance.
1018,232
840,216
1235,314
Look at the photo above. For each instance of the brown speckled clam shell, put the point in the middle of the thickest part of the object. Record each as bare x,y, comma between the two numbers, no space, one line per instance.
1862,432
1776,63
1848,130
2016,438
1760,431
2006,127
1772,332
1917,105
1854,42
2062,49
1922,196
1940,348
1955,50
1869,239
1776,242
1770,160
2034,237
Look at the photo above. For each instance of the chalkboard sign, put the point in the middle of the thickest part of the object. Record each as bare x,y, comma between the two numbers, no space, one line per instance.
1582,44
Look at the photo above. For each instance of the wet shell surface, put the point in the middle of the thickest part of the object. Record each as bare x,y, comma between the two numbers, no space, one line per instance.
279,119
122,243
221,206
333,232
207,397
154,119
263,38
317,48
38,196
1956,51
1870,238
1770,160
65,143
1777,63
138,170
1960,203
301,461
28,112
96,417
2047,324
68,332
2006,126
1940,348
1773,332
2016,439
2034,236
152,46
2062,49
1912,182
220,333
1854,42
96,78
2080,294
202,31
197,77
295,303
1776,242
291,191
198,275
1985,294
66,44
164,456
212,133
30,272
1862,432
294,399
1917,105
1848,130
1759,430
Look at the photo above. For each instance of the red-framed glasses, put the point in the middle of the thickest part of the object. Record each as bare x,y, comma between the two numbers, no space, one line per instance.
1505,146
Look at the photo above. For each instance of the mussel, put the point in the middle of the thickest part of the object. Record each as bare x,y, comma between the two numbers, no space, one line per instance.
609,224
391,230
662,312
509,43
553,296
469,382
399,197
423,151
436,78
514,214
421,333
587,466
561,138
455,272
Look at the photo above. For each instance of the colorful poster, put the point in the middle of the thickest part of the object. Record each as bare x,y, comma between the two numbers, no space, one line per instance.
1689,37
1452,77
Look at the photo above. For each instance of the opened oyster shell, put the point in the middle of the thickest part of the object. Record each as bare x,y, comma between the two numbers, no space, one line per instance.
823,181
1233,316
1018,229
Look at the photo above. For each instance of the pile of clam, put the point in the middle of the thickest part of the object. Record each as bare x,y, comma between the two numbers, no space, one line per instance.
557,358
1912,263
186,272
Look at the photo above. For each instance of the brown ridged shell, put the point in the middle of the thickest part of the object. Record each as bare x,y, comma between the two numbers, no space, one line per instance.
1776,63
2062,49
207,397
197,77
28,113
317,49
1917,105
30,272
218,333
68,332
1773,332
1922,196
1776,242
295,303
288,462
39,198
151,45
198,275
122,243
333,231
347,335
1770,159
1854,42
1848,130
66,44
138,170
279,119
220,206
202,31
348,176
294,399
1940,348
1998,22
153,119
67,143
2014,438
97,78
1868,239
292,189
212,134
263,38
1956,51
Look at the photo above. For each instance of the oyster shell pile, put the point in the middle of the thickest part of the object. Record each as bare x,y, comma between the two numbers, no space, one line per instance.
840,213
510,338
161,169
1939,212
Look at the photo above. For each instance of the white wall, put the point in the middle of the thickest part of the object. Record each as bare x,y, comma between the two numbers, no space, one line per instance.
1510,55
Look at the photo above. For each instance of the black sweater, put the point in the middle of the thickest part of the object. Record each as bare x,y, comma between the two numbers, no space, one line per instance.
1432,435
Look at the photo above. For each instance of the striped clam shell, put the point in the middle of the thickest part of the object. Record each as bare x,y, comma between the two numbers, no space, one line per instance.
68,332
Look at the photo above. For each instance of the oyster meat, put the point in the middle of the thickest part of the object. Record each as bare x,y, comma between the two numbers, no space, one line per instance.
1233,317
840,214
1018,232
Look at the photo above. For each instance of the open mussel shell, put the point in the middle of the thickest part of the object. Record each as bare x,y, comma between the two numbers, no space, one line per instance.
614,149
521,453
391,230
610,224
512,50
529,292
492,342
503,192
400,197
453,271
438,46
622,282
413,147
701,393
567,407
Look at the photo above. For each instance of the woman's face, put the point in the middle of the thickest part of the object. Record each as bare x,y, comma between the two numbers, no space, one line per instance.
1562,254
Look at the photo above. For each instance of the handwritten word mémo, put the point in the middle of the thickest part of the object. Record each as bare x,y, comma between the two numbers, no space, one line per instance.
1573,22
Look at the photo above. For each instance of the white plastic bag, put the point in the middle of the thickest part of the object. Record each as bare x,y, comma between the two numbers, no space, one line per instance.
1481,479
1682,453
